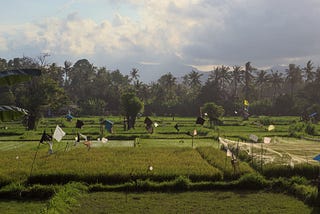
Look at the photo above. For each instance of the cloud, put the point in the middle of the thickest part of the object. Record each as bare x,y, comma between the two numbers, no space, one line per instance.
3,44
176,33
262,31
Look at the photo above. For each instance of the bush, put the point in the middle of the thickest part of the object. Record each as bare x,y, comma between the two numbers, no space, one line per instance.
252,181
65,198
295,129
310,129
307,193
265,121
307,171
261,107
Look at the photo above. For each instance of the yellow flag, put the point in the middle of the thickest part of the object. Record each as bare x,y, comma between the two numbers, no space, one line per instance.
271,127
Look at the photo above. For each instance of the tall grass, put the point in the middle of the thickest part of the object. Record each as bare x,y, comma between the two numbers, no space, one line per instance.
218,159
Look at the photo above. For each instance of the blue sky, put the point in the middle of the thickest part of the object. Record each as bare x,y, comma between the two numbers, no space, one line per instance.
164,36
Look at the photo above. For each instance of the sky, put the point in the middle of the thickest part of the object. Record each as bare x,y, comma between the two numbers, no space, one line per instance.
161,36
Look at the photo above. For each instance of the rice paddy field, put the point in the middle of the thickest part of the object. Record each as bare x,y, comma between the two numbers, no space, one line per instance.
131,171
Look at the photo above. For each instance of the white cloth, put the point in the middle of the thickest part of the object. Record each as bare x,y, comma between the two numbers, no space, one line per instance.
58,134
83,136
267,140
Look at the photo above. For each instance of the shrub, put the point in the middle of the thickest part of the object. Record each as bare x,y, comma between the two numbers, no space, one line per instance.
310,129
298,187
252,181
65,198
304,170
306,193
295,128
265,121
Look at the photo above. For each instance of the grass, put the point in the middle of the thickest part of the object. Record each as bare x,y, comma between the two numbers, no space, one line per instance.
20,206
113,164
190,202
173,154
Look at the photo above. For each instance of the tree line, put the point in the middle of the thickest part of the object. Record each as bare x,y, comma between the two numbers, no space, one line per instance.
86,89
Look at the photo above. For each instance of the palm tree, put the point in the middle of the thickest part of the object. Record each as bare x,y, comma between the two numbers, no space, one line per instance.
261,79
247,77
134,74
225,75
192,84
294,77
317,75
167,85
214,75
236,78
309,74
194,79
276,81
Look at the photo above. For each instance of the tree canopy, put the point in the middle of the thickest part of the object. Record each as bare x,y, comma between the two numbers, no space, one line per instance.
86,89
131,105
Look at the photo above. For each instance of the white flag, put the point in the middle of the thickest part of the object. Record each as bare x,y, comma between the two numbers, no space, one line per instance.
195,132
266,140
58,134
229,153
83,136
104,140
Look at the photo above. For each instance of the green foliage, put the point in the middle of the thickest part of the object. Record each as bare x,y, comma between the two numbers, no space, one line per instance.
19,191
266,121
261,107
190,202
92,106
218,159
252,181
298,187
214,111
310,129
108,165
305,170
65,198
295,129
131,105
284,105
306,193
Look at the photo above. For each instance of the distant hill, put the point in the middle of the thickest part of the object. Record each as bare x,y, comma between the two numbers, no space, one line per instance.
152,72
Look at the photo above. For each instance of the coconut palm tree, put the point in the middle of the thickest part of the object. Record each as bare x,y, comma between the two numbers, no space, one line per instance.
247,78
236,76
276,81
194,79
261,79
308,73
225,76
134,73
294,77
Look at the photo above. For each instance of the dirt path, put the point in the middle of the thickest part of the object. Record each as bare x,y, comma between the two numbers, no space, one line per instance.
280,150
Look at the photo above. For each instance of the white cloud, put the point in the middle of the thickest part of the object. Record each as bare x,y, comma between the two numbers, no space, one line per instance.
149,63
3,44
186,32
